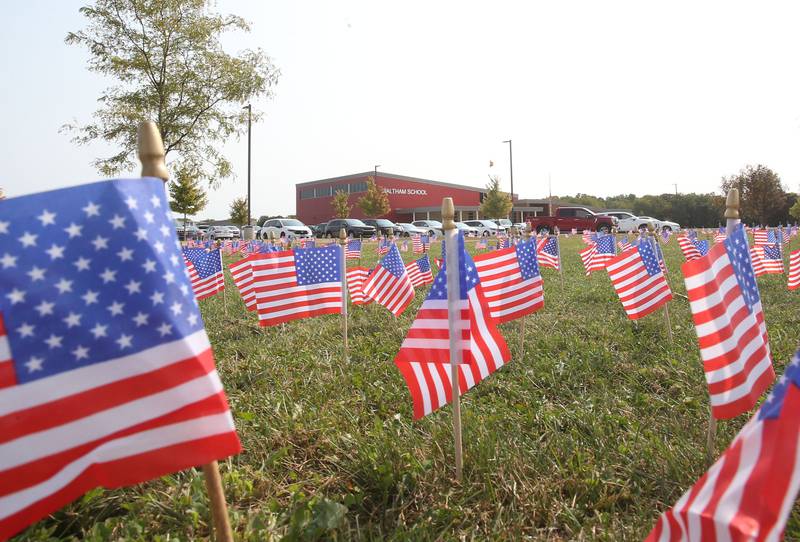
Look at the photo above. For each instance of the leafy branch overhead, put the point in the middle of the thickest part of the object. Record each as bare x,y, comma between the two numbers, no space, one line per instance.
170,67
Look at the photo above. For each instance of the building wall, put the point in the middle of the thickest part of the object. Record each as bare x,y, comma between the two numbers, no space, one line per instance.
404,195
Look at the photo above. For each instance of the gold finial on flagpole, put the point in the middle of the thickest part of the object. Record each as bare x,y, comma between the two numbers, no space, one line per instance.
448,214
732,204
151,151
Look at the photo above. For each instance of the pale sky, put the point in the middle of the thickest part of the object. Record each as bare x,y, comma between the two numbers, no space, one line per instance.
605,97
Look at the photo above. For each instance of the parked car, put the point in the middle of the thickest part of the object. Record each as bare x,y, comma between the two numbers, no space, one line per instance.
386,227
504,223
410,229
352,226
189,231
521,226
289,228
468,230
219,232
629,222
663,224
236,233
318,229
579,218
484,227
431,227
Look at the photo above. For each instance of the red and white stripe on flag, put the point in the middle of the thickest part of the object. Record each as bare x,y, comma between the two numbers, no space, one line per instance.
424,356
281,298
748,493
242,275
205,287
512,288
547,251
356,277
732,335
639,281
794,270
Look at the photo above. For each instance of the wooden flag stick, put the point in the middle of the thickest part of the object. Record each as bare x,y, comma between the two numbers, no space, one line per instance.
219,509
151,155
453,311
343,242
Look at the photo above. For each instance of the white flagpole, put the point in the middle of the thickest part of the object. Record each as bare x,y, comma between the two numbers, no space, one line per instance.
453,314
343,263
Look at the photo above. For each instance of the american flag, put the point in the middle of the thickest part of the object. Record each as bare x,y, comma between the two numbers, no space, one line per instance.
692,248
639,280
389,284
419,271
726,308
748,493
439,262
548,252
784,235
356,277
762,237
510,281
404,246
205,273
589,237
766,259
420,243
106,373
424,356
481,244
383,246
794,270
596,256
353,250
666,235
299,283
720,236
623,244
574,231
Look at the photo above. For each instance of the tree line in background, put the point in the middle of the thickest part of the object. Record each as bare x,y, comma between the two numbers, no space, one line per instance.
764,201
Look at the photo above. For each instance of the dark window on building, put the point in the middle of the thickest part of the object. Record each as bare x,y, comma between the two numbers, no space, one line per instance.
321,192
358,187
308,193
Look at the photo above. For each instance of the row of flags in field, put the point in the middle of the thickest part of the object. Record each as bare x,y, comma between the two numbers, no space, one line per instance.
107,376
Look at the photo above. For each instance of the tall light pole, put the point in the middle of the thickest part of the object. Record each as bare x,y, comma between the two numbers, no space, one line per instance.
375,176
249,128
511,168
676,188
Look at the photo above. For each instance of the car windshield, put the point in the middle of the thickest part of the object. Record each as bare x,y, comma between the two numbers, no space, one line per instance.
489,223
504,222
462,226
292,222
435,223
354,222
384,223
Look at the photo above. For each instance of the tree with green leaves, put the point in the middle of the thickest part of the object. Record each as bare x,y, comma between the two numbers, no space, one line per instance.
341,207
794,211
496,203
187,196
170,67
238,210
763,198
374,202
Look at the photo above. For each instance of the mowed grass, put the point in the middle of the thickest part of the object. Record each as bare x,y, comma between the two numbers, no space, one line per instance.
591,432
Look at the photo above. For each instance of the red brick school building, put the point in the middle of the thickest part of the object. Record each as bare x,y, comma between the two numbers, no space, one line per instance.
410,198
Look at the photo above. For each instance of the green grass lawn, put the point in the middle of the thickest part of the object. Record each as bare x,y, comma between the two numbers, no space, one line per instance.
591,432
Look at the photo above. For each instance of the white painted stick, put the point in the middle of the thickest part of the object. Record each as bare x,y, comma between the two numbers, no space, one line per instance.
453,314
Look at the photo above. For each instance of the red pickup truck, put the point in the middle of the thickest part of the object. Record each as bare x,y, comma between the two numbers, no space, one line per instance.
567,218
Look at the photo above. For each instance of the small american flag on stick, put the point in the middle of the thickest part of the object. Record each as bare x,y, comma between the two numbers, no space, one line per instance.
726,308
389,284
794,270
639,280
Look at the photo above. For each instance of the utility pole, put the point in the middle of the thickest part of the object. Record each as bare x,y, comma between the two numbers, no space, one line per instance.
676,188
375,176
511,169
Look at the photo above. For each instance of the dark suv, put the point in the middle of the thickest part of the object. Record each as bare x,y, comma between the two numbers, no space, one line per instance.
352,226
386,227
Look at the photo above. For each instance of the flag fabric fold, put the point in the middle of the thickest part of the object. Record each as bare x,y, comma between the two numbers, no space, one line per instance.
424,355
389,283
356,277
794,270
548,252
419,271
639,280
748,493
729,321
107,376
